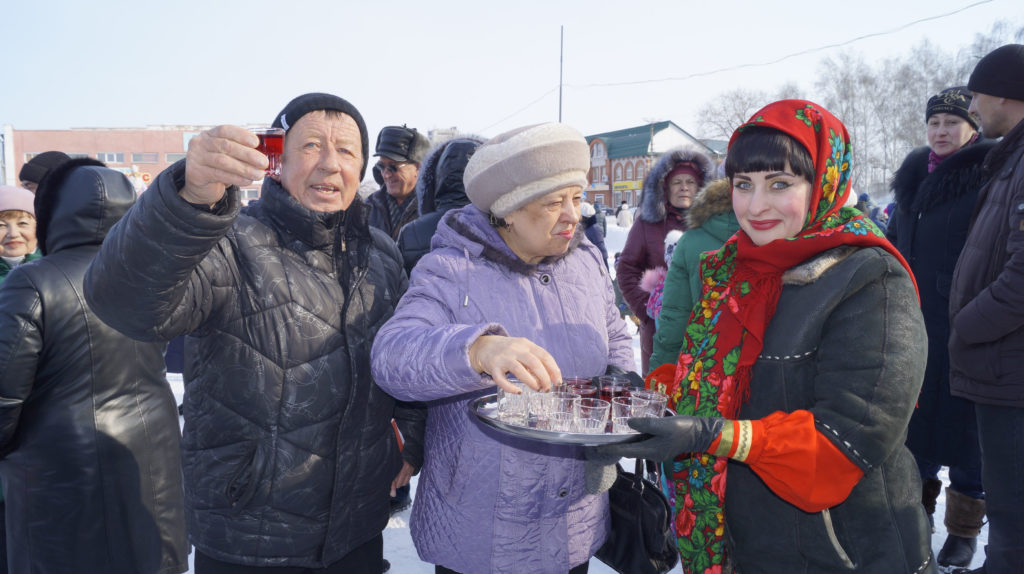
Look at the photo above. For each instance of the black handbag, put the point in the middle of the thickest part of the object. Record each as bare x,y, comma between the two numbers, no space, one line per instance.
641,539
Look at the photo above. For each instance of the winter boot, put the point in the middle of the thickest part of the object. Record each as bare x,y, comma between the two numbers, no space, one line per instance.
930,489
964,518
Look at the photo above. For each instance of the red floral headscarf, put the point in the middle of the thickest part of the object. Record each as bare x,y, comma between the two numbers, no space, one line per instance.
741,284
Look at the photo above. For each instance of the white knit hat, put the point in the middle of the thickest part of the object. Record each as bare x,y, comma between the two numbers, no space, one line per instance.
17,199
518,166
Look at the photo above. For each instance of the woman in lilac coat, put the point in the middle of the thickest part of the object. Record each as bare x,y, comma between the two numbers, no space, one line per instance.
510,287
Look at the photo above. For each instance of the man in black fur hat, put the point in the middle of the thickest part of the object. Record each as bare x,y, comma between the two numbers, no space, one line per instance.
401,150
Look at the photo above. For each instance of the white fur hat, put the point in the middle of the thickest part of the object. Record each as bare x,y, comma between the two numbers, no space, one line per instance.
518,166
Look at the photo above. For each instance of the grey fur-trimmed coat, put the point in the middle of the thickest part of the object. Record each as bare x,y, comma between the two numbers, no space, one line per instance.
859,374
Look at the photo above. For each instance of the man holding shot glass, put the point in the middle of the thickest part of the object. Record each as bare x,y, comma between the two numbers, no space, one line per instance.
288,451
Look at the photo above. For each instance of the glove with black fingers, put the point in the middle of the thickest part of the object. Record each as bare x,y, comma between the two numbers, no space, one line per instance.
635,380
669,437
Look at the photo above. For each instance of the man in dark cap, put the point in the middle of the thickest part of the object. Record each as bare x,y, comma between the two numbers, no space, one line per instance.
287,449
32,173
986,348
401,150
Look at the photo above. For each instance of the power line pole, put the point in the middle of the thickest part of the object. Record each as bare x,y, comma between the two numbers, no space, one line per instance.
561,63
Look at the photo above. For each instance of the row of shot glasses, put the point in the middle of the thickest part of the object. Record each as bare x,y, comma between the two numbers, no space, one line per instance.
578,405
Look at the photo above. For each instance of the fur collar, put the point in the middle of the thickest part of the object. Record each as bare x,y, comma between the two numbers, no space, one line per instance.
652,203
713,199
495,249
917,191
811,270
429,197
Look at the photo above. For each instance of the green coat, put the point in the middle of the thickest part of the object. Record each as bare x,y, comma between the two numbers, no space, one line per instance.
711,223
5,268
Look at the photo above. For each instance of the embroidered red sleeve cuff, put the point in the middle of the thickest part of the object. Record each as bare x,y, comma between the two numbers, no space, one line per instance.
795,460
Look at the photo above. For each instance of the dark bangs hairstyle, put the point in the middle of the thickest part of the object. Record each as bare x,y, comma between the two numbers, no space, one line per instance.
767,149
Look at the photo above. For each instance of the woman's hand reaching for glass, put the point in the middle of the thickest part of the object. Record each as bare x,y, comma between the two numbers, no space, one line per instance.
498,356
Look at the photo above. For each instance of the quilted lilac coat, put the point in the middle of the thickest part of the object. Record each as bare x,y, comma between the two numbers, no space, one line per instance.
487,502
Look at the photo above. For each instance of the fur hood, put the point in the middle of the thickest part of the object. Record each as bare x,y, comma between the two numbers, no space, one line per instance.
713,199
652,204
429,191
958,174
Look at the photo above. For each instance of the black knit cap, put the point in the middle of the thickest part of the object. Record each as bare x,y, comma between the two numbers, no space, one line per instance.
954,101
314,101
401,143
1000,73
35,169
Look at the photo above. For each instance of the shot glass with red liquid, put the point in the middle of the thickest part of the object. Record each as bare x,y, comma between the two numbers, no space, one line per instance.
271,145
583,387
611,386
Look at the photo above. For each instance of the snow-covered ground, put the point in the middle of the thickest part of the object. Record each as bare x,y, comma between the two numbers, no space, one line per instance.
398,547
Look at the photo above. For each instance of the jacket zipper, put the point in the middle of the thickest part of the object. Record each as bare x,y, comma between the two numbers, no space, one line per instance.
831,530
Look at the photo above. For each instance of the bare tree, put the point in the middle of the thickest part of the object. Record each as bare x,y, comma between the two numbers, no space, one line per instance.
722,115
881,103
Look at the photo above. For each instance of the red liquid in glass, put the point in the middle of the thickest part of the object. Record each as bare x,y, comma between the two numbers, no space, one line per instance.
609,392
584,391
271,145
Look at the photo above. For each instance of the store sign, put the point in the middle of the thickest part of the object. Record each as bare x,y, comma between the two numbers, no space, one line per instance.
630,184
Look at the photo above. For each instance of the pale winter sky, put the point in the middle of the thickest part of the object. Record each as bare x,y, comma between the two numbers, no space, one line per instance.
483,67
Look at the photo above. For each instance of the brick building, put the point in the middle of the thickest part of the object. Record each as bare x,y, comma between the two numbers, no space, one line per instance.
619,160
139,153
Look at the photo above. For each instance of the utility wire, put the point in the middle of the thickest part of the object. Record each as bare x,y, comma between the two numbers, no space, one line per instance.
740,66
788,56
519,111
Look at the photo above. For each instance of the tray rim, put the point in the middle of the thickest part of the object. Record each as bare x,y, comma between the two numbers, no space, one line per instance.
546,436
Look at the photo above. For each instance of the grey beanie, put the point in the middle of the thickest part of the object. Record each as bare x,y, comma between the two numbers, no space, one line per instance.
518,166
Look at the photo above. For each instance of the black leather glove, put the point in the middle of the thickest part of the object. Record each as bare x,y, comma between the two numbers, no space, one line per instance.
669,437
635,380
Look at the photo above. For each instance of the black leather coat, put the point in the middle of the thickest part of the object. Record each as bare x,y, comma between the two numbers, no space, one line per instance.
88,424
846,343
288,449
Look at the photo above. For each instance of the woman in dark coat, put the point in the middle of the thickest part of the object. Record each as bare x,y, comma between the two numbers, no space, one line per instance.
669,190
88,425
800,368
936,189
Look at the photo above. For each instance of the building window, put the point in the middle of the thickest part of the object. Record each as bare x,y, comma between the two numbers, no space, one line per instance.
598,150
640,170
110,157
146,157
629,171
618,173
78,155
173,157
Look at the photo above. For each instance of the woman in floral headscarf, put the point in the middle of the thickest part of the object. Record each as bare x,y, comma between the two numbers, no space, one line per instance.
799,372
